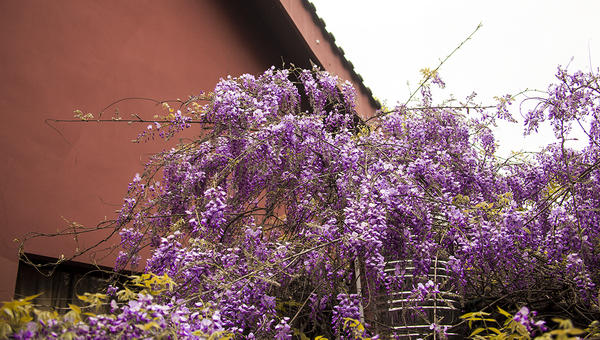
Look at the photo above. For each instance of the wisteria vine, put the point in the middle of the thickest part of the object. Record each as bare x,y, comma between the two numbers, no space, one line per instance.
284,211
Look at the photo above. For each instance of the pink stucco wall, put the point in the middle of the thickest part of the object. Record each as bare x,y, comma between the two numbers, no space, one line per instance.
60,56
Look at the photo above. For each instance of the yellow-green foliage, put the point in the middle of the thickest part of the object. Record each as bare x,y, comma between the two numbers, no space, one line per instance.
15,315
22,315
151,284
356,328
513,330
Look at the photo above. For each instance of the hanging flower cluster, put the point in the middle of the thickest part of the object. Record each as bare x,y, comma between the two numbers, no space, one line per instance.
284,211
284,197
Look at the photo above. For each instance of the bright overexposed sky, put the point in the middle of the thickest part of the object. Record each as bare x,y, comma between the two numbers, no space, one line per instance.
519,46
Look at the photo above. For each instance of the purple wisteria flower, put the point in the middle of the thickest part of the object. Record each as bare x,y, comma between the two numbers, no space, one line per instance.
288,210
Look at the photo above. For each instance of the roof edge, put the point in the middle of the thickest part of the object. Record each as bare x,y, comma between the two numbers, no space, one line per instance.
330,57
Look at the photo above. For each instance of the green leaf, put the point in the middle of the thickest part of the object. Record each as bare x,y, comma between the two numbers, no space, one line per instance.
476,314
522,330
29,298
495,330
25,319
76,309
8,311
67,335
5,330
353,322
575,331
477,331
563,323
222,335
505,313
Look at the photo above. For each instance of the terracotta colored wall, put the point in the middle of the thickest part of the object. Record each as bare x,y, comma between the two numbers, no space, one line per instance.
63,55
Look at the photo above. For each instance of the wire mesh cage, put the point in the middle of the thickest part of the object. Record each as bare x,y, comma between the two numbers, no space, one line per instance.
423,307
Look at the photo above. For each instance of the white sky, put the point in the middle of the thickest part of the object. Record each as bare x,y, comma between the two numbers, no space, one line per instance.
519,46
